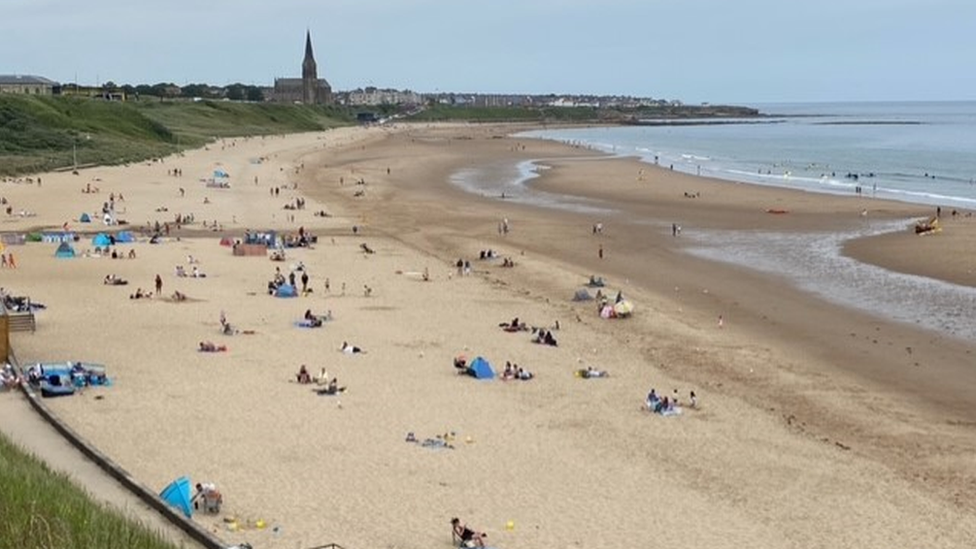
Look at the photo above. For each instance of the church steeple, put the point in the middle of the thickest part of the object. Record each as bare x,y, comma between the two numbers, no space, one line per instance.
310,77
309,56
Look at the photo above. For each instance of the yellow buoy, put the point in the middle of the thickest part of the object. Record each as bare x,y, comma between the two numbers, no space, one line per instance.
510,525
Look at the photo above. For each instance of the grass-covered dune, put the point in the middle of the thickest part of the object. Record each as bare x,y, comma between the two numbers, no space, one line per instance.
46,133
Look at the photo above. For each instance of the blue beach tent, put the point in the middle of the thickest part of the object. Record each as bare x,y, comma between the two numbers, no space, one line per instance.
64,251
177,494
85,218
286,290
102,239
125,237
481,369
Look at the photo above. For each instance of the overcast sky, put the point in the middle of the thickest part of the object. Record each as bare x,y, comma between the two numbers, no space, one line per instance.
741,51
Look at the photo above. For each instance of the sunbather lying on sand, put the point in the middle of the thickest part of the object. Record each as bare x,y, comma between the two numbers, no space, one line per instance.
113,280
211,347
513,326
591,373
350,349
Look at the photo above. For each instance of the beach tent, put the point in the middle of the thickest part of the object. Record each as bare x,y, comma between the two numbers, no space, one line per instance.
286,290
177,494
102,239
85,218
125,237
623,308
226,241
607,312
220,173
481,369
64,250
582,295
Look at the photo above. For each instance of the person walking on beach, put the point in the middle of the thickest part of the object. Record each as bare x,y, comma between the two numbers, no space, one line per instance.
159,285
600,251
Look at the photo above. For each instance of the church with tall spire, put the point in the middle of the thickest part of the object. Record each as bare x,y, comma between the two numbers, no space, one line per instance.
309,89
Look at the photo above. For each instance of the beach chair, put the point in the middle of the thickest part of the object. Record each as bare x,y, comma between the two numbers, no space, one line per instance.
212,500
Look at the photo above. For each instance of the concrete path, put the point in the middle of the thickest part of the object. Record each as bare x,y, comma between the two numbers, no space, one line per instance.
20,424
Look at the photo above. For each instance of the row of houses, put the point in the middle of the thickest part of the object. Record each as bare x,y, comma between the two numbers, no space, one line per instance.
370,96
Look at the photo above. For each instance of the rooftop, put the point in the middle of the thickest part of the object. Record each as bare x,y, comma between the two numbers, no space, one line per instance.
25,79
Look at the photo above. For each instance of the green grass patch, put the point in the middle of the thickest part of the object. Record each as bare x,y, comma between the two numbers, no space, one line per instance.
41,509
47,133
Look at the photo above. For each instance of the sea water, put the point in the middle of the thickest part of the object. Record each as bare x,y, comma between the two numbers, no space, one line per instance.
922,153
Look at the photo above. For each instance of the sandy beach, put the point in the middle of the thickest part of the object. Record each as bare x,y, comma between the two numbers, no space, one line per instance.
817,425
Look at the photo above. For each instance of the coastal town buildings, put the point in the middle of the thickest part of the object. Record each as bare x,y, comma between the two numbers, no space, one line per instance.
26,84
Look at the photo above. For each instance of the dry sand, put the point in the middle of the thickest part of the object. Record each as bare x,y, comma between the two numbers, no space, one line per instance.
816,426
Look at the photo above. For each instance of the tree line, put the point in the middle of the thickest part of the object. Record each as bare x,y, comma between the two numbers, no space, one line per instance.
168,90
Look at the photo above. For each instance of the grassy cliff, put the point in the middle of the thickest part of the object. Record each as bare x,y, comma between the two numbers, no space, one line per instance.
46,133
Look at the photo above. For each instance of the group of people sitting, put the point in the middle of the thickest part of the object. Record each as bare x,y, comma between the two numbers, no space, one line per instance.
141,294
113,253
507,262
667,406
113,280
327,386
487,254
545,337
195,273
514,371
18,304
211,347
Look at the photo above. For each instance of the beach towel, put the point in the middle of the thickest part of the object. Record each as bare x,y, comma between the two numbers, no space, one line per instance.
308,324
